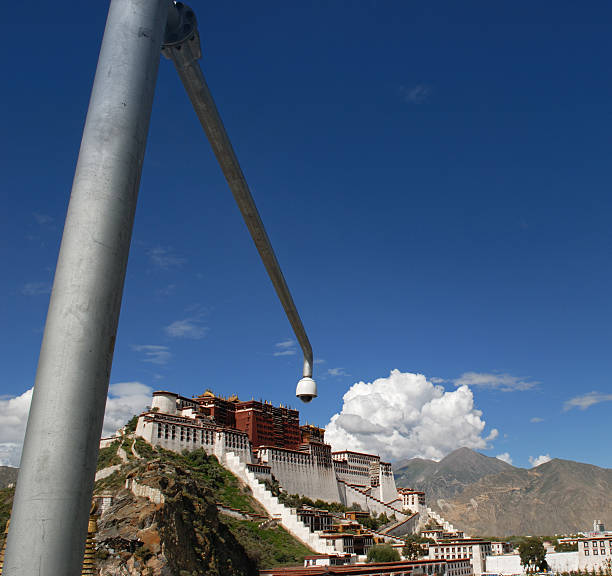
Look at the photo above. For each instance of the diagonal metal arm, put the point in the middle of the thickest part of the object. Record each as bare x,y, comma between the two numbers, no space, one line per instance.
182,46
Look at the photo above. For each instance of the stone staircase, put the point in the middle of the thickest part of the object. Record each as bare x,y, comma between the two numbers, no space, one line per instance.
286,516
444,523
375,504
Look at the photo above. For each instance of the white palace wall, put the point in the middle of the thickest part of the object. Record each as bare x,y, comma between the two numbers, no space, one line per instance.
300,473
174,433
387,489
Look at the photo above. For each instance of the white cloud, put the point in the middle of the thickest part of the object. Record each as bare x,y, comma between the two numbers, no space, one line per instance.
417,94
586,400
319,361
164,258
436,380
337,372
36,288
404,416
505,457
503,382
153,353
124,400
10,453
13,420
541,459
166,291
42,219
536,419
190,328
285,348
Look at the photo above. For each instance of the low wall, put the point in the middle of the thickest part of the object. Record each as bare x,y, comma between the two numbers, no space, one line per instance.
144,491
508,564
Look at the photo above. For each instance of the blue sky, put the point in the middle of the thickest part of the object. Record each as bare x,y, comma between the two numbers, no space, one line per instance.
435,181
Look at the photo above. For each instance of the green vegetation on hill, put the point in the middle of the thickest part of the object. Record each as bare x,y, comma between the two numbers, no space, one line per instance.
108,456
224,486
6,504
269,547
144,449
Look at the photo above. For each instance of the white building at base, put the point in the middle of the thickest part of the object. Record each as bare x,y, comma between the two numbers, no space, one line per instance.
595,552
472,549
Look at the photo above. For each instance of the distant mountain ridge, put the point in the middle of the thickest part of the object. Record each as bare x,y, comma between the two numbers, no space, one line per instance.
486,496
449,476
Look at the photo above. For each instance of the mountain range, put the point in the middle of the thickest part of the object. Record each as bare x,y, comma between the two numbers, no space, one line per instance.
488,497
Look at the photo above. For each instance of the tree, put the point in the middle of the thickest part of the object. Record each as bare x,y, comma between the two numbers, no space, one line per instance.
383,519
533,554
565,547
413,549
383,553
130,427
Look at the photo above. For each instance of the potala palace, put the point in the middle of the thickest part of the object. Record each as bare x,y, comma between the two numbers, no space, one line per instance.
270,442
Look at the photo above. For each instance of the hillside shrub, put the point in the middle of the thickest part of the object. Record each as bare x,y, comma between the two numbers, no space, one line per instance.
108,456
383,553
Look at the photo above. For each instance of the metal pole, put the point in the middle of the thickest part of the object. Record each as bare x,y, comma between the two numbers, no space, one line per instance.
53,496
182,46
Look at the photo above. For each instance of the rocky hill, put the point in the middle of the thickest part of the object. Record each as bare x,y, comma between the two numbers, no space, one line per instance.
178,514
184,534
207,523
485,496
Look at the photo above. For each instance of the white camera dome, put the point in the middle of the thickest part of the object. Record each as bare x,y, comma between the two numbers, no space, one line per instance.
306,389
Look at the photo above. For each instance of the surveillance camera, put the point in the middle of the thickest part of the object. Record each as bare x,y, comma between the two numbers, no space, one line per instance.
306,389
